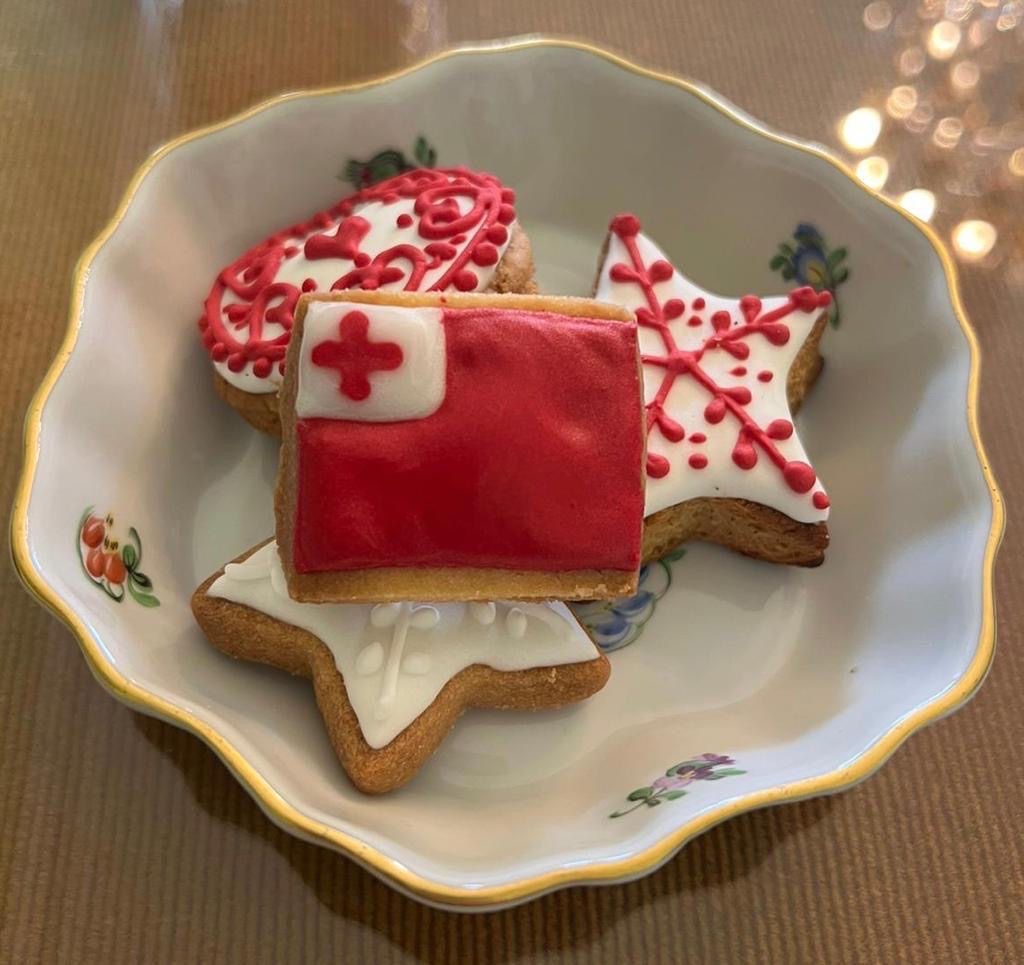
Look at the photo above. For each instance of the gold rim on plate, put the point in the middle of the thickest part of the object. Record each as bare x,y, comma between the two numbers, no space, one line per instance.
603,871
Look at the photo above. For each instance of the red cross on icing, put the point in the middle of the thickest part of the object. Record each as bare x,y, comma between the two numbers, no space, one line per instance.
355,356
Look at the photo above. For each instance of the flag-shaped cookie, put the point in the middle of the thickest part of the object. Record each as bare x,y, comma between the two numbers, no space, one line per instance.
424,230
460,447
722,377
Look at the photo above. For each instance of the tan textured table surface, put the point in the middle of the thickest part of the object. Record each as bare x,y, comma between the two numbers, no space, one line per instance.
124,839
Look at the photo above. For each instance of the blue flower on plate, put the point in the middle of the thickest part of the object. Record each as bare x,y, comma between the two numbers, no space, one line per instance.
613,624
810,261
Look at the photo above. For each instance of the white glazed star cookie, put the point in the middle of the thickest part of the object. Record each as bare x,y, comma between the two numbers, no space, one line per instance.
721,379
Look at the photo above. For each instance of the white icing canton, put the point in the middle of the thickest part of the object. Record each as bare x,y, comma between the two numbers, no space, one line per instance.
384,233
396,657
339,343
687,401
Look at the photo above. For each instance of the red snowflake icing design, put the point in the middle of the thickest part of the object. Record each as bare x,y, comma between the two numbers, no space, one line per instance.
724,402
355,356
234,333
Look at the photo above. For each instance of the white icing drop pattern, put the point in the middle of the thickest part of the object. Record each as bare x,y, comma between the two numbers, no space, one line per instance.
397,657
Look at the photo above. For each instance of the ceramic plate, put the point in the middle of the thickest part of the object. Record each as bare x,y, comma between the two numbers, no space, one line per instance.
743,684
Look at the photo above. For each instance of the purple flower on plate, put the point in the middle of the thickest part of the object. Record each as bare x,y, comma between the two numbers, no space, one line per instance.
673,782
671,786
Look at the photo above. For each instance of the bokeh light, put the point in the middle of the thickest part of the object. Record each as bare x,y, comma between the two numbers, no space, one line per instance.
943,39
964,76
974,239
947,132
919,202
912,61
873,171
901,101
878,15
860,129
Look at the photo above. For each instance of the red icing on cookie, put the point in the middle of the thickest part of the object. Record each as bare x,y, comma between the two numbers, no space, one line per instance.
234,333
355,356
519,467
723,401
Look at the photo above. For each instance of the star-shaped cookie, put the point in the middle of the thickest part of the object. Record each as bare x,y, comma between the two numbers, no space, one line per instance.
722,377
391,679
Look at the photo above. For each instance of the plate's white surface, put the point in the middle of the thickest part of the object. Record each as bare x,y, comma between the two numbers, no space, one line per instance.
806,678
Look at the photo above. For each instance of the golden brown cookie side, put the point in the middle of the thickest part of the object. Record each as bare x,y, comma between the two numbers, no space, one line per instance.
806,366
747,527
457,584
514,272
259,409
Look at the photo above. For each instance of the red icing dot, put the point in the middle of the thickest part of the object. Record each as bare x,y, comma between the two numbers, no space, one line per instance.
657,466
698,304
465,280
485,254
698,460
209,339
660,271
670,429
458,239
765,376
290,250
714,411
693,321
744,455
799,476
739,370
404,220
308,285
698,437
776,334
497,234
203,323
219,352
506,214
262,367
820,500
739,393
390,197
750,305
721,321
779,429
362,259
625,225
673,308
508,196
236,362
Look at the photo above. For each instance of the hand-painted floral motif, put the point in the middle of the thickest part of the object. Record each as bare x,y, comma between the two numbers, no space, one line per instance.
613,624
671,787
811,262
113,564
387,163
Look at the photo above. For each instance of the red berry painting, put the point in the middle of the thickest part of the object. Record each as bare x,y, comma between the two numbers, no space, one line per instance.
111,563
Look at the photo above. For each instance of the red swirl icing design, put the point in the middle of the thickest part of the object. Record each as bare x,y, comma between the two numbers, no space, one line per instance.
724,402
234,333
